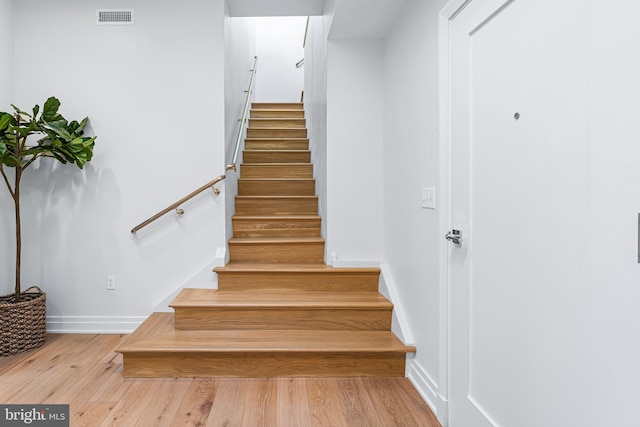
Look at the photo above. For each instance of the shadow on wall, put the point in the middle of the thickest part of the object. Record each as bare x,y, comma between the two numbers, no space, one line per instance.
65,212
154,239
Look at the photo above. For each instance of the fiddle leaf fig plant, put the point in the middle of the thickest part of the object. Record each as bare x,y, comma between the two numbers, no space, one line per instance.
28,136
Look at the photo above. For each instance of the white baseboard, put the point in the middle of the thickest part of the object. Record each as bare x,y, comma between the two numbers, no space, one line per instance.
428,389
353,263
204,278
399,323
93,324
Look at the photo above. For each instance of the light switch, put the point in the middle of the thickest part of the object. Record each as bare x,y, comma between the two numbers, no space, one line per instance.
428,198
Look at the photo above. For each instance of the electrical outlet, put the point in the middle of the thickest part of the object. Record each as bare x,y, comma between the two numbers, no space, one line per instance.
111,283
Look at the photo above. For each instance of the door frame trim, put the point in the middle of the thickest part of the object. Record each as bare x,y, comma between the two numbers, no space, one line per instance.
447,14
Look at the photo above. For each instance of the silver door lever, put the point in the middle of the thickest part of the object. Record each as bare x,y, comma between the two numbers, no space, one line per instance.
454,236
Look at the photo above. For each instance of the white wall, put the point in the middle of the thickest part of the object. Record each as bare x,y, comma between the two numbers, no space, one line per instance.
240,50
6,53
410,163
315,104
279,47
6,99
613,290
354,149
155,94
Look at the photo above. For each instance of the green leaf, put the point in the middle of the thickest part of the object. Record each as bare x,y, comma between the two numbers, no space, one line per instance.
58,129
89,142
57,138
10,161
5,120
50,110
19,111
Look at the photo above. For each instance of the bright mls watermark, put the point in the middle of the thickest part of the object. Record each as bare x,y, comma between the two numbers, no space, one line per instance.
34,415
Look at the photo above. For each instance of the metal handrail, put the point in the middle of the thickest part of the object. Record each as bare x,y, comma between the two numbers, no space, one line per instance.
177,204
231,166
243,120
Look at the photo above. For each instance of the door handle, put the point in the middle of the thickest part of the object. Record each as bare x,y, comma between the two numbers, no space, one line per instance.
454,236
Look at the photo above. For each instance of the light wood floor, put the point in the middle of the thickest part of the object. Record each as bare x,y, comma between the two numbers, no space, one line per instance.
85,372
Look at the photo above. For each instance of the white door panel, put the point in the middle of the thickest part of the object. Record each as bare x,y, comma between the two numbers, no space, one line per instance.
519,179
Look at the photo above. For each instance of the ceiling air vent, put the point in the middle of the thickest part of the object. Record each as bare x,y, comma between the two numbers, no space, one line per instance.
114,17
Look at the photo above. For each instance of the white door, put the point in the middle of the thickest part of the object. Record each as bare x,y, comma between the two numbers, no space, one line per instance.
518,179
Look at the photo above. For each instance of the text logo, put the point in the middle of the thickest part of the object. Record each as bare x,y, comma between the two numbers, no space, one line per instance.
34,415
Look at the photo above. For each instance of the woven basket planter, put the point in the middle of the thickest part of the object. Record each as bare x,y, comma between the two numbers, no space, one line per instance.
23,326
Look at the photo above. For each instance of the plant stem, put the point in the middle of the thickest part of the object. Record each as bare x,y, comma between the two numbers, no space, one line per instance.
16,202
6,180
20,143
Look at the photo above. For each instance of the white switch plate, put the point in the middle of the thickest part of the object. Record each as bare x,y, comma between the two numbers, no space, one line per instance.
111,283
429,198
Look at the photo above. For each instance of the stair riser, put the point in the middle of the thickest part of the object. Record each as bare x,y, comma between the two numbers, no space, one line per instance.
332,282
294,253
277,106
263,365
276,228
276,133
276,171
223,318
295,206
264,156
283,123
276,188
276,144
277,114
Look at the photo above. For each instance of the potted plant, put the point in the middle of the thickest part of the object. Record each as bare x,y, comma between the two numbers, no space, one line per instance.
24,138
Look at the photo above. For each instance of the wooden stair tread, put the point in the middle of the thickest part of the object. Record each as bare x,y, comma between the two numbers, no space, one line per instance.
287,151
276,197
293,268
191,298
277,105
274,109
272,341
279,217
278,151
275,240
265,139
280,120
277,164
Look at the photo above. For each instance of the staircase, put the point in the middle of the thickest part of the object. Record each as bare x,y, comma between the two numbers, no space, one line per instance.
279,311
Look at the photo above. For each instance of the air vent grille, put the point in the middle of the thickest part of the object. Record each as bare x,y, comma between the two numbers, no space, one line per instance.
114,17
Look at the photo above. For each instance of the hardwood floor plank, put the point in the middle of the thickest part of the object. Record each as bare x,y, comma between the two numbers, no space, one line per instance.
130,410
357,406
84,372
168,397
90,414
414,402
325,407
292,408
229,403
113,388
384,398
196,403
261,398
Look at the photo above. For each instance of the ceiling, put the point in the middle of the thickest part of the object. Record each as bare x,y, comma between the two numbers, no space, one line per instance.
364,19
238,8
353,19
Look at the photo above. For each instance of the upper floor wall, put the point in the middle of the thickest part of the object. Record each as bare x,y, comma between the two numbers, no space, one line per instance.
6,53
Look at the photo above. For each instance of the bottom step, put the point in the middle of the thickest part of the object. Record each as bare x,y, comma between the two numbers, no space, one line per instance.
159,351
